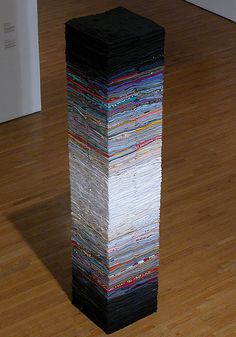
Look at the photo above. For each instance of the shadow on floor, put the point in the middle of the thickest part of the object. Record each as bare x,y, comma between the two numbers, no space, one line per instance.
46,228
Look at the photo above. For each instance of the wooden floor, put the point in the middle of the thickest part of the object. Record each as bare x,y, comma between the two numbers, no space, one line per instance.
198,215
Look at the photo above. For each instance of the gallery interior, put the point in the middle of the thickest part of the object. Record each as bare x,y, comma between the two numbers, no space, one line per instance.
109,124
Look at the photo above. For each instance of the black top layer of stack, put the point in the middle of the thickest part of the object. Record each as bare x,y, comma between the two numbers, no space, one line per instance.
114,40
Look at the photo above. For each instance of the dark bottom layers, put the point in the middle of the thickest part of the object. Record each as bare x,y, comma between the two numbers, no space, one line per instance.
114,314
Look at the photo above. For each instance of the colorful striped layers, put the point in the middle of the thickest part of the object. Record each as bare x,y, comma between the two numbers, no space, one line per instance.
115,129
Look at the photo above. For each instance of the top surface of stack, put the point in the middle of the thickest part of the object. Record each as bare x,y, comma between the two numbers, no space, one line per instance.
112,39
116,26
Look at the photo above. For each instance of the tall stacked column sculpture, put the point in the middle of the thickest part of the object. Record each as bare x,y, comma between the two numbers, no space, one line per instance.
115,88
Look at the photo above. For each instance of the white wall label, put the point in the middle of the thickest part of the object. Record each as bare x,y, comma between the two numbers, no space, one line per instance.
9,30
19,59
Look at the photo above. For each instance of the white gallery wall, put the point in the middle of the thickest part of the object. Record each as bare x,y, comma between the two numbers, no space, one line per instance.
225,8
19,59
